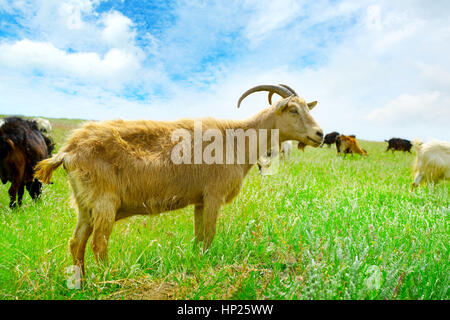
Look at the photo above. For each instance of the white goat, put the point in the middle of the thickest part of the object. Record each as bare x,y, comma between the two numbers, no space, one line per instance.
268,164
43,125
286,150
432,162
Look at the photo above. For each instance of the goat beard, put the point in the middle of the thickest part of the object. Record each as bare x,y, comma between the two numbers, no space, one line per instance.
301,145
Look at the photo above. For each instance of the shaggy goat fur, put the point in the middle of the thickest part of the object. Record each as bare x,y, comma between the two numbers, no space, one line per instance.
122,168
432,162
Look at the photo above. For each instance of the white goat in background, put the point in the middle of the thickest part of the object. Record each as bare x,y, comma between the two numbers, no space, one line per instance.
268,164
432,162
43,125
286,150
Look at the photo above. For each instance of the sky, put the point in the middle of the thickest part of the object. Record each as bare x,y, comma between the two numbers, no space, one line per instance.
378,69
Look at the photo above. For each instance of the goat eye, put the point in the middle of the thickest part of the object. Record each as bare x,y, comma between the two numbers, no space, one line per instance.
294,111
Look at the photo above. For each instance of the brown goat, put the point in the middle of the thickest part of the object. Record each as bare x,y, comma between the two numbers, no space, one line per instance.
22,146
122,168
348,144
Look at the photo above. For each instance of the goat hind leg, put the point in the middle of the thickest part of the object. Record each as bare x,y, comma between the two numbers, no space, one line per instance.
35,189
79,239
104,214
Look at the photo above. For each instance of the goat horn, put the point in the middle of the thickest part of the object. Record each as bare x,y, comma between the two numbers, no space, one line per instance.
284,86
289,88
283,92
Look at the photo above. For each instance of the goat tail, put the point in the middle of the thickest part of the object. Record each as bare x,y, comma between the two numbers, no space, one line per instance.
44,169
417,143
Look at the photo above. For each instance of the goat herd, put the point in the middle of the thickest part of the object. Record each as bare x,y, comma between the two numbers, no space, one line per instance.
118,168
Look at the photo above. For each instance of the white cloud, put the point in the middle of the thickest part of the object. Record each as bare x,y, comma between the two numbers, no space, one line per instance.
266,17
116,67
29,97
117,32
72,11
410,109
373,19
69,42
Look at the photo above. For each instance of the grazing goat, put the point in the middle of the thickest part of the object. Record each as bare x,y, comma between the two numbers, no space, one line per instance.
330,138
301,146
286,150
43,124
122,168
398,144
432,162
348,144
22,146
266,161
45,128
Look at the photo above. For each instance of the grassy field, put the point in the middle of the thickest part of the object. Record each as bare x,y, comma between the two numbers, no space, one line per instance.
323,228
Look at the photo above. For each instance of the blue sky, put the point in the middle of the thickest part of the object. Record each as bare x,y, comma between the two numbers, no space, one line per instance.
378,68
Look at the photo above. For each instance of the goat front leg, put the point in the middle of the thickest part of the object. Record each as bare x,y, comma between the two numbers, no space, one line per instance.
211,211
417,180
12,194
20,192
198,223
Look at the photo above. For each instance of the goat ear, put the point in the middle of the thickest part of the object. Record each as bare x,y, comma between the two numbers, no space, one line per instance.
312,104
282,104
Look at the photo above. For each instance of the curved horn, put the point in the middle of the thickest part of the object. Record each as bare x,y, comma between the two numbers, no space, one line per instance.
290,89
284,86
283,92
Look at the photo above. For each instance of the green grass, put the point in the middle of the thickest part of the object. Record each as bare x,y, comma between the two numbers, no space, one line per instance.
322,228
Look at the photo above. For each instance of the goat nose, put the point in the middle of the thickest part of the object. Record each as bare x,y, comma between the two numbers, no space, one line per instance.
320,134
